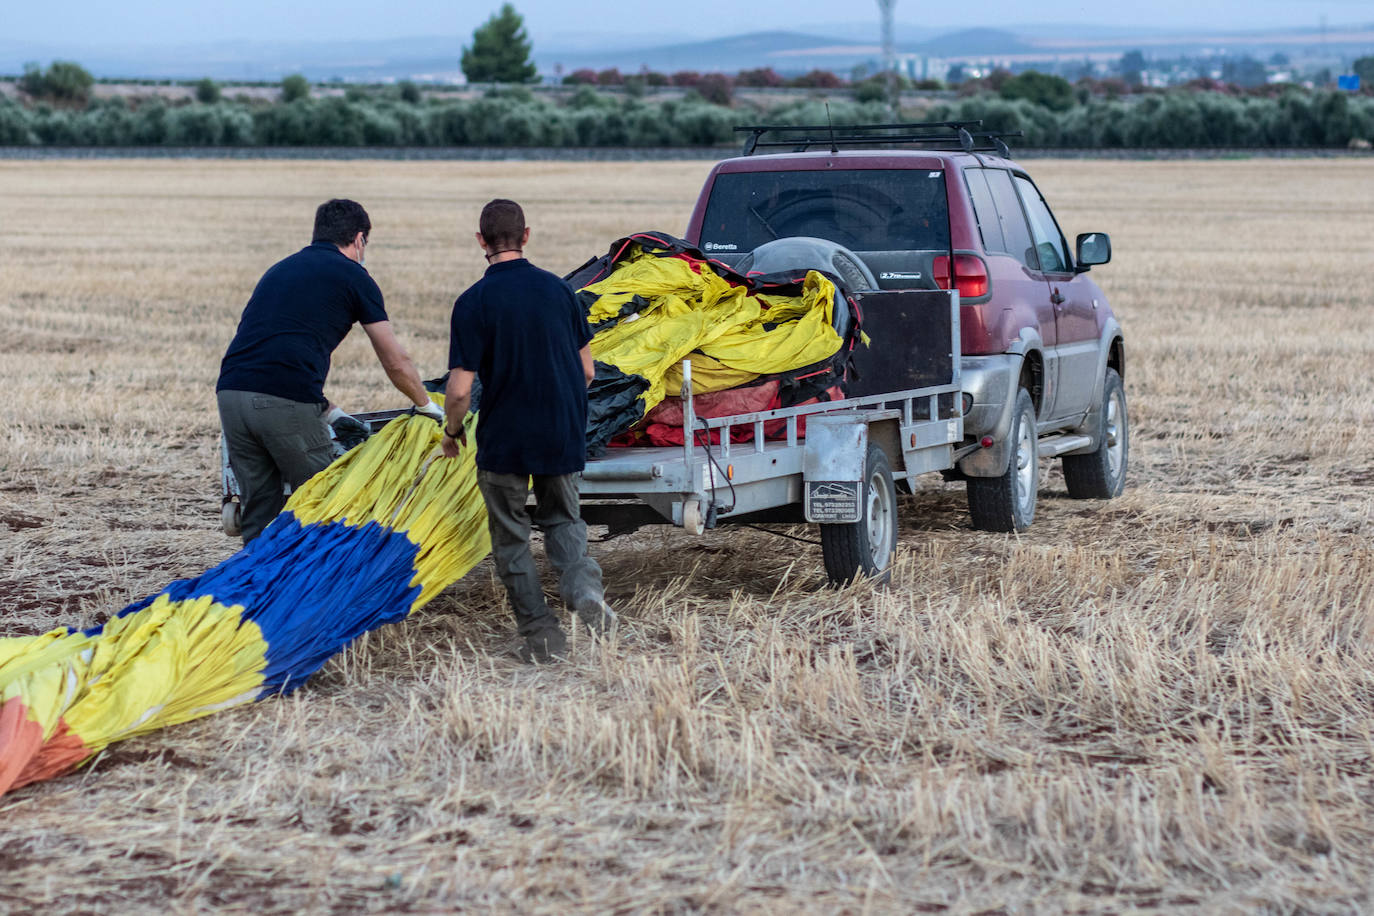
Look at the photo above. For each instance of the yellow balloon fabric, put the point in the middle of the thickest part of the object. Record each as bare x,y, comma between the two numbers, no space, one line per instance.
688,311
399,479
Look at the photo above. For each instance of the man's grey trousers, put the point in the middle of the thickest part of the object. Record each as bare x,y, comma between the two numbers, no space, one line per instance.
272,441
557,514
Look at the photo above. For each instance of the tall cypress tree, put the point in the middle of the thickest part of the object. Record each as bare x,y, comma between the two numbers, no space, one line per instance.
500,51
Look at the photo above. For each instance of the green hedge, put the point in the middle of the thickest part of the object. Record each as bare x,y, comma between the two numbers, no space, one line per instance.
1178,120
515,117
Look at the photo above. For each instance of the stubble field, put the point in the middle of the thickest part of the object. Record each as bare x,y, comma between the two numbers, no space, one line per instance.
1155,704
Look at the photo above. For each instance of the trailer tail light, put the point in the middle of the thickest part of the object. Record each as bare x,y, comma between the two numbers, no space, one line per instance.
970,274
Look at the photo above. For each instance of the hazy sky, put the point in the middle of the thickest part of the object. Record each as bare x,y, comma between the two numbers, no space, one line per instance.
160,22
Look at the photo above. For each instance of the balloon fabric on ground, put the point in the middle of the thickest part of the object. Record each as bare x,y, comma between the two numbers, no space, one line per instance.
375,535
363,543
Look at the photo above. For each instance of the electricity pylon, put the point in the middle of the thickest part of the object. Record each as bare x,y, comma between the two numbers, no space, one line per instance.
889,54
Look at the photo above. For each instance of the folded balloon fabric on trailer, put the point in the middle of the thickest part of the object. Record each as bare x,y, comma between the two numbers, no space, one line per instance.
385,528
654,301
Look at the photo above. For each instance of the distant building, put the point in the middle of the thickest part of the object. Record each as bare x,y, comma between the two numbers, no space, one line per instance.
918,67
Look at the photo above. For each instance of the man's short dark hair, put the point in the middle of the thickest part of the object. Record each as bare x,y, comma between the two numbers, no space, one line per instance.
339,221
502,224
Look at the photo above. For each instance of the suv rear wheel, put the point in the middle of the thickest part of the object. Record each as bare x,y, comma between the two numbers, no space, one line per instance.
1007,502
1102,474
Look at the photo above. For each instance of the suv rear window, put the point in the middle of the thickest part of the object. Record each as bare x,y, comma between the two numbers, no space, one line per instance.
861,209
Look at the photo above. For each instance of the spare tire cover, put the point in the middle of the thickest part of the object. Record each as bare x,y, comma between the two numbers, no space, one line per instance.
804,252
809,253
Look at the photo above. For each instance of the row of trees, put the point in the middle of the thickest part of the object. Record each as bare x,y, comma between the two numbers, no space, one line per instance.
515,117
756,78
503,118
1178,120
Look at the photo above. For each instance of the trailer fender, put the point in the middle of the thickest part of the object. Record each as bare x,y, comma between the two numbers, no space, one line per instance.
833,467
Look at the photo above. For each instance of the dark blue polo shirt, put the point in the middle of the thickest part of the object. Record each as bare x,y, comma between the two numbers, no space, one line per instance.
520,329
301,309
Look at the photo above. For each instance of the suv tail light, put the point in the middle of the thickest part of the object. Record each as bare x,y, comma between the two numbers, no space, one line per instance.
970,274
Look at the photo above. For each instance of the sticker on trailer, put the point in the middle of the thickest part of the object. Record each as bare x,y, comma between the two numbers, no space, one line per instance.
832,501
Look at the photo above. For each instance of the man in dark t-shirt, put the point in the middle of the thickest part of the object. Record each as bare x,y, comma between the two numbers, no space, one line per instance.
520,331
271,383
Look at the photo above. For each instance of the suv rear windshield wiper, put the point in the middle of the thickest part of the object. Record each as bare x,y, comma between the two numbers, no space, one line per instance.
767,225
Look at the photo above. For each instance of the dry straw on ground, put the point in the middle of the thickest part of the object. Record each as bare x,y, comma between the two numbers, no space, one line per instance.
1159,703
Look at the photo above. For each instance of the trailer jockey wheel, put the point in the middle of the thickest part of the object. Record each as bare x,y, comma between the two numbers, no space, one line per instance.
693,519
865,548
229,518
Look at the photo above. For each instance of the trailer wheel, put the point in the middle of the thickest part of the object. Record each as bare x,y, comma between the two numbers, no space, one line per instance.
1102,474
230,518
865,548
1007,502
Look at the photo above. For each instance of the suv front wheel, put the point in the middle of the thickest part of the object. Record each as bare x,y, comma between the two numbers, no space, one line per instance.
1007,502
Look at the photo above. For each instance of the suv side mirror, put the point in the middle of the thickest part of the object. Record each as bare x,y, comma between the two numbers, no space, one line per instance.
1093,248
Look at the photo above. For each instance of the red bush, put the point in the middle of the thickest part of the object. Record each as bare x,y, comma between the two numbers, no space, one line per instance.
818,79
761,77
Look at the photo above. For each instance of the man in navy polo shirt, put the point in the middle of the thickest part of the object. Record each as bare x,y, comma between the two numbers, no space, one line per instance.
521,333
271,383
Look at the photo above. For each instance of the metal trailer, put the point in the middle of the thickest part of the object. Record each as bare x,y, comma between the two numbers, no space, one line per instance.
836,464
841,473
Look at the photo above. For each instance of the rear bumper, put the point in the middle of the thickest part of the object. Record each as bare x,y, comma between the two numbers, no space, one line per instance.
991,381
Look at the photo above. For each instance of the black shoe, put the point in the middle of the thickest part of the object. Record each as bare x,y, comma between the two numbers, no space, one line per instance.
544,646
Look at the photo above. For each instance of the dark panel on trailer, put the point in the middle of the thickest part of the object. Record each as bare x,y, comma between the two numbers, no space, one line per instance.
622,517
778,515
912,341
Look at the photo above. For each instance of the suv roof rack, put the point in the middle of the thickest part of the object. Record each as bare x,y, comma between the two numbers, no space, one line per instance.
951,135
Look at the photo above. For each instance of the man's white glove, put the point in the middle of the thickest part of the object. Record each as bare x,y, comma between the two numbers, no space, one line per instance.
431,410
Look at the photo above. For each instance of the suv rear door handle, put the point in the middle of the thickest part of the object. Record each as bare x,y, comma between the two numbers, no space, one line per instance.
1056,298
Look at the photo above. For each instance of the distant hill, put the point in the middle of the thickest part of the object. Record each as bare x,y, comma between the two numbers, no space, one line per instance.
435,58
785,52
791,51
973,43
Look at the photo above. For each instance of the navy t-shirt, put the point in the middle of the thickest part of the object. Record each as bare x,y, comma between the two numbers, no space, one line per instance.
521,330
301,309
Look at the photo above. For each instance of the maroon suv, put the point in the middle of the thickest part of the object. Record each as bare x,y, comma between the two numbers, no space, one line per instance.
1042,354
